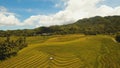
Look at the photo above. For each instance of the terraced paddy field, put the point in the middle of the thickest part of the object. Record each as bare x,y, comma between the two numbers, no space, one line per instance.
67,51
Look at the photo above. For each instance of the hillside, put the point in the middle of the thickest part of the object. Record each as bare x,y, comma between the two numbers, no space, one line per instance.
67,51
94,25
90,26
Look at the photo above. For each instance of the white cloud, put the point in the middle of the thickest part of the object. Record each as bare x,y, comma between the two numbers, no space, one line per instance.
74,10
7,18
61,4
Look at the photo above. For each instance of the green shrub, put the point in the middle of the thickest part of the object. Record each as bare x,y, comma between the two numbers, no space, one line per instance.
10,48
117,38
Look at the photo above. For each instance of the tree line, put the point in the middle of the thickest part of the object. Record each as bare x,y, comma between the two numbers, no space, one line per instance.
89,26
9,48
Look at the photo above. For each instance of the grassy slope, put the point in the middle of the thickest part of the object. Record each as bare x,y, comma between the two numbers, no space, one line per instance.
68,51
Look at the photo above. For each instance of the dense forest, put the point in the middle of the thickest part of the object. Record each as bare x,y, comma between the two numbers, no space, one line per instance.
9,47
94,25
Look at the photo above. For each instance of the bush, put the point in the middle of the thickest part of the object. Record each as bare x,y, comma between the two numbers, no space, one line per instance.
117,38
10,48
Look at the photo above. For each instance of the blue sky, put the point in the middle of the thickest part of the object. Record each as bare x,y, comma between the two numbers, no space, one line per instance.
112,3
24,9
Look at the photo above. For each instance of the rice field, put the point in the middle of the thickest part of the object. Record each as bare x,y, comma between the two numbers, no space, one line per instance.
67,51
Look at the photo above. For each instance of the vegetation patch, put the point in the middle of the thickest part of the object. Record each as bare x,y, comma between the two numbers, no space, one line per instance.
117,38
9,48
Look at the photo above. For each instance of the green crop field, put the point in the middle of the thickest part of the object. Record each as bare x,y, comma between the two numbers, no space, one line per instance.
67,51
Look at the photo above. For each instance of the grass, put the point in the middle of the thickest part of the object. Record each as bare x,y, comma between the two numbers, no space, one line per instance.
67,51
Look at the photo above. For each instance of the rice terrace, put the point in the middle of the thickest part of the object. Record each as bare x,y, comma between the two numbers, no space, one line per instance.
67,51
60,34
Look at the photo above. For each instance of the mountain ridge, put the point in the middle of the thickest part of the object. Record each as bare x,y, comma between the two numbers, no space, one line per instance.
92,26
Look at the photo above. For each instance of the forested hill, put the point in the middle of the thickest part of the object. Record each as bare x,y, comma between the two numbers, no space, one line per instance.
94,25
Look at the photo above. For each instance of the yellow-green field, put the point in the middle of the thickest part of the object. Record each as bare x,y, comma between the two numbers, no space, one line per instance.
67,51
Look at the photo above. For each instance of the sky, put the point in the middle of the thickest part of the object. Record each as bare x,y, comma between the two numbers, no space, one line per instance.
29,14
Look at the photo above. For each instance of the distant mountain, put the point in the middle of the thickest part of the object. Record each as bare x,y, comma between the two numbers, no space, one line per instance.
94,25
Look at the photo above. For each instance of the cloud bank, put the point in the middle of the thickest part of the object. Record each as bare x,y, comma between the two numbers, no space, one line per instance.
73,10
8,18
